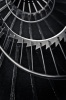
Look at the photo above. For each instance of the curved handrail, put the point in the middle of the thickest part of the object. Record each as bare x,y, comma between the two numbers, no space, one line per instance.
32,72
29,21
53,39
33,40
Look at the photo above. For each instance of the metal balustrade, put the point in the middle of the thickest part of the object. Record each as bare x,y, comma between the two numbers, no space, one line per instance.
27,26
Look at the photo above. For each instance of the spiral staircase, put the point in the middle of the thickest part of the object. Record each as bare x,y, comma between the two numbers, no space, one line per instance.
32,49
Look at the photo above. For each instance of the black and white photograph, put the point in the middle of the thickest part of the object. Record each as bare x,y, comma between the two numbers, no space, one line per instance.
32,49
